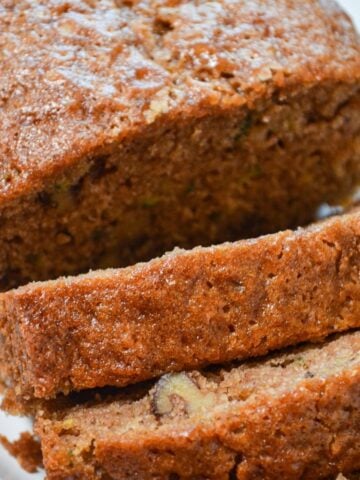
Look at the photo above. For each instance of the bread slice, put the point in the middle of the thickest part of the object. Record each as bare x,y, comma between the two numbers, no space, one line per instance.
184,310
131,127
293,416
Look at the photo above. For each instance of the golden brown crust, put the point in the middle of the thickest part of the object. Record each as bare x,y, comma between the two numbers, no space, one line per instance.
87,74
119,117
184,310
295,416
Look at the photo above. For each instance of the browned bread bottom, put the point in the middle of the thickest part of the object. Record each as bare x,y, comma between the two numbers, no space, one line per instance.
294,416
182,311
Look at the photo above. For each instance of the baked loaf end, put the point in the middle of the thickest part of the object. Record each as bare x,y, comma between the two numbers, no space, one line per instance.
182,311
131,127
294,416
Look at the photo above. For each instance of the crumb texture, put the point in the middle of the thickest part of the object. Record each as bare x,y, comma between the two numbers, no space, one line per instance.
26,450
129,128
198,307
294,415
76,75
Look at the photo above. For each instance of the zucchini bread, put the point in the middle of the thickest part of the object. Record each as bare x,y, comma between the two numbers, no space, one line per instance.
182,311
129,127
294,416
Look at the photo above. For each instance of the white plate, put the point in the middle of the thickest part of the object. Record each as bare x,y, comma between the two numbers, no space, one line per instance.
11,427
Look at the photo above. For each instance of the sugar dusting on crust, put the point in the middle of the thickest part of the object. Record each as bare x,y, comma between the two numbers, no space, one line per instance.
78,75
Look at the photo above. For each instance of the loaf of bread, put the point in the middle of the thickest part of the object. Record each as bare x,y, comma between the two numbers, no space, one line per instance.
182,311
130,127
295,416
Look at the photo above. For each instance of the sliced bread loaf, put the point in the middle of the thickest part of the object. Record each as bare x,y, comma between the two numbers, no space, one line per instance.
131,127
294,416
184,310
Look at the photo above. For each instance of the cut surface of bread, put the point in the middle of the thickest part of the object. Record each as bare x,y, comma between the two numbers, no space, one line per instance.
132,127
295,415
182,311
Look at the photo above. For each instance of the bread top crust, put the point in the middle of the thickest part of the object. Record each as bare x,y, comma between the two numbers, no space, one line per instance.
97,280
78,77
241,299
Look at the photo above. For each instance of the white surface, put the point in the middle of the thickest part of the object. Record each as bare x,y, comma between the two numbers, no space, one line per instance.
11,427
353,8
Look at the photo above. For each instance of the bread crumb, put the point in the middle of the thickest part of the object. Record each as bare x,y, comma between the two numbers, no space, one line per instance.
26,450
